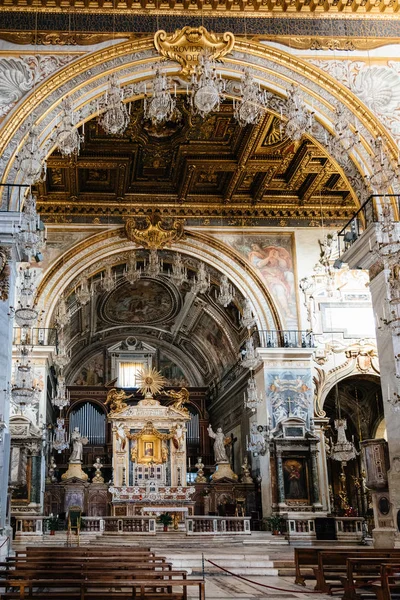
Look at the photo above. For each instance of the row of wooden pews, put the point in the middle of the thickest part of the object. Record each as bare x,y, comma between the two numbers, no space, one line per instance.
351,573
55,573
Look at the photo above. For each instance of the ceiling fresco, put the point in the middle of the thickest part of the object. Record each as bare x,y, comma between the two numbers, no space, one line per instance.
210,171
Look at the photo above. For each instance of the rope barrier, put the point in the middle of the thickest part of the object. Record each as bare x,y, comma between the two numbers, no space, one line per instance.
270,587
6,540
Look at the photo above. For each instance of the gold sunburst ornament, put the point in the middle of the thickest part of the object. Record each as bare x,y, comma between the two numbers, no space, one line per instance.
150,382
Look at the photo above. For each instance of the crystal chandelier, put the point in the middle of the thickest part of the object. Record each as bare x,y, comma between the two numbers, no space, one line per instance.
115,118
62,318
161,106
26,313
201,281
30,235
154,266
253,101
83,294
383,173
62,398
226,292
60,439
131,272
298,117
246,319
342,450
31,159
251,397
24,389
249,357
206,87
179,271
61,358
108,281
341,125
68,139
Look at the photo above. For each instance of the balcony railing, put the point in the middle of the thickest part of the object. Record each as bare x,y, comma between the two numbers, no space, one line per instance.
370,212
35,336
286,338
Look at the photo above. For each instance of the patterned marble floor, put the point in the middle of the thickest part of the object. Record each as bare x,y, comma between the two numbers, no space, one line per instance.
226,588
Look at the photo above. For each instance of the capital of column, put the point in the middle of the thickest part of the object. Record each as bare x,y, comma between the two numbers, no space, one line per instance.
271,356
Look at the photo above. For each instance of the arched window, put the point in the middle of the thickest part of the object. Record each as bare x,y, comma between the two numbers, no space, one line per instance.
91,421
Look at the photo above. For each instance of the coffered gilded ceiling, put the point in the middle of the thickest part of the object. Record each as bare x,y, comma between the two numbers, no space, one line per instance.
209,171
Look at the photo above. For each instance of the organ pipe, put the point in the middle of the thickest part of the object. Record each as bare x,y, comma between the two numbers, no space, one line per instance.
91,422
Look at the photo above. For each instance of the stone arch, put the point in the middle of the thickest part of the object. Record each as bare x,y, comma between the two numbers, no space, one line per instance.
74,262
86,79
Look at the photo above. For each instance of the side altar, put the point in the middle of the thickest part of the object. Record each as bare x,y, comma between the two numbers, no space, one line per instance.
149,452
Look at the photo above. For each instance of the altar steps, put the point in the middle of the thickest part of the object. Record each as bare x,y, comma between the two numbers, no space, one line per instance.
187,553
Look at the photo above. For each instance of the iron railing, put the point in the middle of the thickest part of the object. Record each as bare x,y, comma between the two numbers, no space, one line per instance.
370,212
285,338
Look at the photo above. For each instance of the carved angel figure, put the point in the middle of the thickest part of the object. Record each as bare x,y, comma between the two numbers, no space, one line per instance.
120,437
180,399
116,399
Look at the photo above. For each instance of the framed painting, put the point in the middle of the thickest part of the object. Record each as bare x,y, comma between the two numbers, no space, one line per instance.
295,477
149,449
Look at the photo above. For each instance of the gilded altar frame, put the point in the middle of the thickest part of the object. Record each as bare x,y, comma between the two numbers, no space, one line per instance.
149,449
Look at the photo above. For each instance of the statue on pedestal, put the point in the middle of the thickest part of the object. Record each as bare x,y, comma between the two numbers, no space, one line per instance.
75,460
246,477
200,478
223,467
97,476
219,445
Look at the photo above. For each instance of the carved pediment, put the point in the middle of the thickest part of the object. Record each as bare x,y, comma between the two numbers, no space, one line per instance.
21,428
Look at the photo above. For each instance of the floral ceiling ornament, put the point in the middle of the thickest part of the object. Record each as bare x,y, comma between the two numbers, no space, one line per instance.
115,118
68,139
154,235
186,45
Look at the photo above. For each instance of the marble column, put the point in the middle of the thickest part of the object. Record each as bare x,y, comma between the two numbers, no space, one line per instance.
281,484
315,478
36,475
362,255
8,224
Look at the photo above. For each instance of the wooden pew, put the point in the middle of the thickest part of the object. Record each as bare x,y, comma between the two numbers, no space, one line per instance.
332,565
74,589
362,573
389,581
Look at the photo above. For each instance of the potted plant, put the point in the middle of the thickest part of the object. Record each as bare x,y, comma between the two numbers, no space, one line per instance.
275,524
165,519
52,524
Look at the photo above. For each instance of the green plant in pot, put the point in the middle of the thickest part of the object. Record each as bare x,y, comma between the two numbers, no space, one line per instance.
166,520
275,523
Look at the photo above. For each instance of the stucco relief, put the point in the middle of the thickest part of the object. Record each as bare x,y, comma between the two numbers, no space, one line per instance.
377,86
19,75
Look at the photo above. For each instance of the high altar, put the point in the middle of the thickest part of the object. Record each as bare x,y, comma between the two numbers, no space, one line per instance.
149,453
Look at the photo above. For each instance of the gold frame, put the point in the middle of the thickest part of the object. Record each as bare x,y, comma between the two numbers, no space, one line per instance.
142,458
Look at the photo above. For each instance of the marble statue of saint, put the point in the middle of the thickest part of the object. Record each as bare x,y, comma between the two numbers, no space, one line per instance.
120,437
77,447
179,437
219,445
